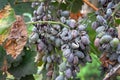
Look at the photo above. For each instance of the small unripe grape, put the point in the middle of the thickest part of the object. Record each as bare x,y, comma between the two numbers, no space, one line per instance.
100,34
97,42
62,66
100,29
114,43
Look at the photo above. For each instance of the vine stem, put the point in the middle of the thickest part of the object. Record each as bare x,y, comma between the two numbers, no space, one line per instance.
116,9
49,22
91,5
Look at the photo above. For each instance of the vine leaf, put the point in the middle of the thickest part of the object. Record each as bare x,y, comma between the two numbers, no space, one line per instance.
21,6
75,5
3,3
17,38
26,67
2,62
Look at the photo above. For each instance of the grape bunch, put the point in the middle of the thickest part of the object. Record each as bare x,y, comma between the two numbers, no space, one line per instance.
62,43
107,40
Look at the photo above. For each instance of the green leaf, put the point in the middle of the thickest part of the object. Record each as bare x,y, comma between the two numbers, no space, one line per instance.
21,7
27,18
91,33
75,5
28,77
2,57
26,67
3,3
7,20
117,20
91,70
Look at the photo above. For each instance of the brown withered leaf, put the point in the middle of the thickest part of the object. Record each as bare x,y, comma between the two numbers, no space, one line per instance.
5,12
17,38
105,61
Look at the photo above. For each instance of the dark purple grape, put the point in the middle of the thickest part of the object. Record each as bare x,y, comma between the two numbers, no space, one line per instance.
118,59
110,5
49,60
76,60
81,27
95,25
66,53
79,54
40,10
68,73
71,23
85,40
70,58
101,20
102,2
60,77
49,73
65,13
109,12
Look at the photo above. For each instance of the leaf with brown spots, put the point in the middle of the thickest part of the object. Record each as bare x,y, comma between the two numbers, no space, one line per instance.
17,38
